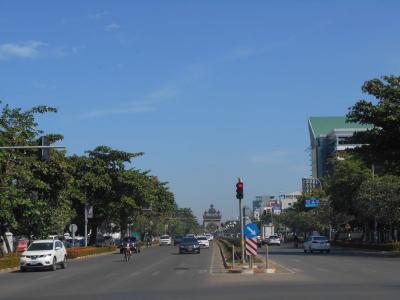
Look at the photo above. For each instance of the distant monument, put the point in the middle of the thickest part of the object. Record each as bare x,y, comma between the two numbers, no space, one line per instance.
211,219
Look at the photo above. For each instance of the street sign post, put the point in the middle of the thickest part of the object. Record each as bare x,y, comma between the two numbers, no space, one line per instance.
73,228
251,230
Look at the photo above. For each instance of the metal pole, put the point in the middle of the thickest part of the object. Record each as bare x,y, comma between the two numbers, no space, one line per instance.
241,229
266,260
86,223
233,256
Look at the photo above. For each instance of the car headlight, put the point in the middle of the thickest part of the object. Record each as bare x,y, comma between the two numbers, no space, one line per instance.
196,246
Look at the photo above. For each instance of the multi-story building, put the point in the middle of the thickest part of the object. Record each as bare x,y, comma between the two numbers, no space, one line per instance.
287,200
329,135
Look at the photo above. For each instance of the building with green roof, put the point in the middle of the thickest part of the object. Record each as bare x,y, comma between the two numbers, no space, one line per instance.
329,135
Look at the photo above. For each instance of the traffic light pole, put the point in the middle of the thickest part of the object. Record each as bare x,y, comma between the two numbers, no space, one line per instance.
241,229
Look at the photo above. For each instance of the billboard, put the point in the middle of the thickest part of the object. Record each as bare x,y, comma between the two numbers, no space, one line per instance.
311,202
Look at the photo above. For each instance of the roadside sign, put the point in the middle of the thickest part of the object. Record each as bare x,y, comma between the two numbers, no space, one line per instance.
73,228
251,230
311,202
89,211
251,246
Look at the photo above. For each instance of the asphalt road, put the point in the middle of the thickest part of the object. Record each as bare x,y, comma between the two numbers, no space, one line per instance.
160,273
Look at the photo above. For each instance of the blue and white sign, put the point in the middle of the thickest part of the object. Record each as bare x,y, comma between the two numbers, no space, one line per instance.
251,230
311,202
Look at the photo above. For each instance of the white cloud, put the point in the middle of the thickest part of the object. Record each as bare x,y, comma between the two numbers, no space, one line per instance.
28,49
148,103
98,15
112,27
130,109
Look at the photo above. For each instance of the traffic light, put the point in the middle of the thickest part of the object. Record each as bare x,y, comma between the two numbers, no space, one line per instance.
239,190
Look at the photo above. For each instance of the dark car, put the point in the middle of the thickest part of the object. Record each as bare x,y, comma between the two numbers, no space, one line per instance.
189,245
134,244
178,239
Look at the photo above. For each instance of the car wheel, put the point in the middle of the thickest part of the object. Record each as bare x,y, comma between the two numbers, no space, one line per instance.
64,263
328,251
54,265
22,269
305,251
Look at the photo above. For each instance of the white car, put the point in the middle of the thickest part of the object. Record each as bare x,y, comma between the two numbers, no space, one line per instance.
274,240
44,254
317,243
203,241
210,237
165,240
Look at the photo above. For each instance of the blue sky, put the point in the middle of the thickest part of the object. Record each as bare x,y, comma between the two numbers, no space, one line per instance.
209,90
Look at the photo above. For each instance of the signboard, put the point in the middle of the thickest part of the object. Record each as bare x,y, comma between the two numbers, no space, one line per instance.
251,246
89,210
251,230
311,202
73,228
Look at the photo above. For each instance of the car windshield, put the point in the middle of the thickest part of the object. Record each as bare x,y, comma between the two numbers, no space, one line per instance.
189,240
165,237
202,238
40,246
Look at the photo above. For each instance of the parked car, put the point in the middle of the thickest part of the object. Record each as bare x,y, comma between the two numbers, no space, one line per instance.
44,254
274,240
165,240
189,245
317,243
203,241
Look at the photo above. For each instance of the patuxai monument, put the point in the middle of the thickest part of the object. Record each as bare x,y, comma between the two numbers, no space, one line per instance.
211,219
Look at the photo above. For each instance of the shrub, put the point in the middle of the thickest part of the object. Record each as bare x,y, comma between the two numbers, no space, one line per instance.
368,246
85,251
9,261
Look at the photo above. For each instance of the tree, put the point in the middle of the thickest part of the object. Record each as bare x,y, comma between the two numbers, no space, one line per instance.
343,180
379,199
28,185
381,144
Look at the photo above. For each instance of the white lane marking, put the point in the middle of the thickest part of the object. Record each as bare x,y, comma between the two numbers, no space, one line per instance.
212,259
295,260
202,271
322,270
44,277
155,273
296,270
134,274
180,272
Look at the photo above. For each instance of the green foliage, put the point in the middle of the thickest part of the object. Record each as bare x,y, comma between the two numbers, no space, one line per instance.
379,198
381,145
42,197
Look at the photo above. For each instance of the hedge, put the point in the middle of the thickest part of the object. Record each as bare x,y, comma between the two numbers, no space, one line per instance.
9,261
90,250
369,246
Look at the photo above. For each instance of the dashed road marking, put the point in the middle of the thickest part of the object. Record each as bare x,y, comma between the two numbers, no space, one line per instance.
134,274
322,270
202,271
155,273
